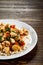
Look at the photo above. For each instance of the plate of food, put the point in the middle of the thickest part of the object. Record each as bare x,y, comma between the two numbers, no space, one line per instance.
16,39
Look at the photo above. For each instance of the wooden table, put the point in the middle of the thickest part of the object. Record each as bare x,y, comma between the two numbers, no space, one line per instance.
31,12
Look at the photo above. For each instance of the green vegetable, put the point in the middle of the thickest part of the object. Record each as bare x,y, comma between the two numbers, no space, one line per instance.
7,29
13,36
8,38
0,38
14,31
18,34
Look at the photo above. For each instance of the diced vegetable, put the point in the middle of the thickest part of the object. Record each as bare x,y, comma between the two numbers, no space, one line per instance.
8,38
22,43
13,34
12,26
7,29
0,38
14,31
11,46
7,34
17,43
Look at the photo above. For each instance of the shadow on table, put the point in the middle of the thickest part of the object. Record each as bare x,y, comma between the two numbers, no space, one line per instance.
22,60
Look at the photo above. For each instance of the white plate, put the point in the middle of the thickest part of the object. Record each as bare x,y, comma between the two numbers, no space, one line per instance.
33,36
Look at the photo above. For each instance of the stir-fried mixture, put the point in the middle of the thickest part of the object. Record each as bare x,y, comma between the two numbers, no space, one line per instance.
11,39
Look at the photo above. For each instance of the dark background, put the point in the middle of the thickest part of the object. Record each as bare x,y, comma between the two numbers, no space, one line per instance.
31,12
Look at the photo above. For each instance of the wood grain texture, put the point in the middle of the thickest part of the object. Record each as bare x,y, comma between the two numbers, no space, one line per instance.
30,12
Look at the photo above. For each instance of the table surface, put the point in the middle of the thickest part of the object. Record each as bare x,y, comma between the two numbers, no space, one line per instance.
31,12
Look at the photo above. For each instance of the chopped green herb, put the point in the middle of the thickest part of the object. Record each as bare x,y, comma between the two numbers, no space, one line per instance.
0,38
14,31
13,36
7,29
8,38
